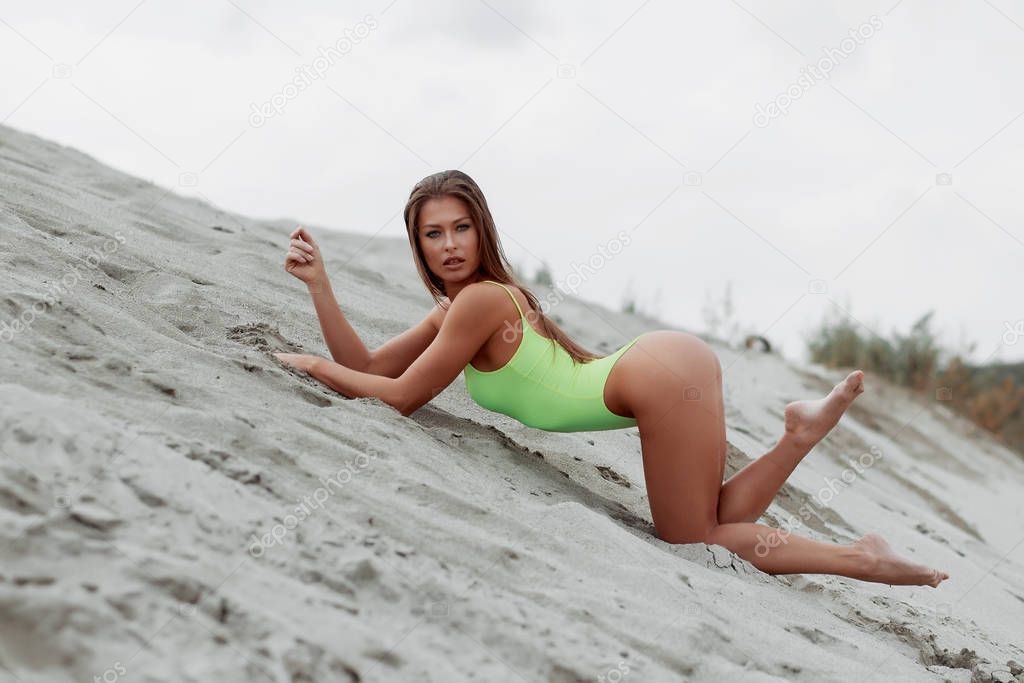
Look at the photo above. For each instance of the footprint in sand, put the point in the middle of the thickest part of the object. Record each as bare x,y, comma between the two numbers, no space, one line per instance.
613,476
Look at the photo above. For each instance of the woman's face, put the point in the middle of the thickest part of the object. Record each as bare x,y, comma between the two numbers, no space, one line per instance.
447,231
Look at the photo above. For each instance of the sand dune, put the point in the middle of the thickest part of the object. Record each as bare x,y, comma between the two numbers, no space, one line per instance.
176,506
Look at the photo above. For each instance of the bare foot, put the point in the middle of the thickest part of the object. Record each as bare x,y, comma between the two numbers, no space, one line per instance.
882,565
807,422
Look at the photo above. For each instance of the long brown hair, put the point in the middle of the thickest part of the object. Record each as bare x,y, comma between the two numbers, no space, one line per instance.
493,263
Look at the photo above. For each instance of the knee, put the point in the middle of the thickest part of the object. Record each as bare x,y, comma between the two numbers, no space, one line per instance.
751,547
682,537
718,535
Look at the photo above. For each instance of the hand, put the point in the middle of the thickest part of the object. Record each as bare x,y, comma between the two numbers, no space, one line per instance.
300,361
303,259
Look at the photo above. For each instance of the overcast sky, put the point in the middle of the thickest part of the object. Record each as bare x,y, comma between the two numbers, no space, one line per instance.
646,138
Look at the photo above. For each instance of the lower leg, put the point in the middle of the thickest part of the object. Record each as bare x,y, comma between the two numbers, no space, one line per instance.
775,551
749,492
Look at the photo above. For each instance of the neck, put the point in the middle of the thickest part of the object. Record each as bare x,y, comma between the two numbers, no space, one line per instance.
452,289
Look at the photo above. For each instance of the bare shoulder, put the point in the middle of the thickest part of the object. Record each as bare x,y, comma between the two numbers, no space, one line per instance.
476,300
481,302
480,294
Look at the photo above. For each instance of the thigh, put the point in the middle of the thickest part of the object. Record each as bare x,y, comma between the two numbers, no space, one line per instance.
674,389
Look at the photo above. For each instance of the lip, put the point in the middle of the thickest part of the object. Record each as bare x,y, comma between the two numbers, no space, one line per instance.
454,266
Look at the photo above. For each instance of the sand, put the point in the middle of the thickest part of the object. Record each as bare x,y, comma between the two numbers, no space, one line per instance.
177,506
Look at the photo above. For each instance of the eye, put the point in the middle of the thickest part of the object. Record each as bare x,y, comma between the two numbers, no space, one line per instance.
433,232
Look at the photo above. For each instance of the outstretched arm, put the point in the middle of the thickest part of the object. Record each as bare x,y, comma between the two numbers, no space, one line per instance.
472,318
355,384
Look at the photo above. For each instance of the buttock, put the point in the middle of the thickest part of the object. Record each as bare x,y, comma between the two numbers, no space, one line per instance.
616,382
658,367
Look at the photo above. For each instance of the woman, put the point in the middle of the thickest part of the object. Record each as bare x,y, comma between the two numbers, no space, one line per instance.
666,383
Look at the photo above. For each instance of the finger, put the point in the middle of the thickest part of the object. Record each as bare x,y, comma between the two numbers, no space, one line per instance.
297,256
302,245
306,236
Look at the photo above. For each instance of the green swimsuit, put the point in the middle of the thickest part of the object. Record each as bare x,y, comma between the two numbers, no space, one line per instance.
542,387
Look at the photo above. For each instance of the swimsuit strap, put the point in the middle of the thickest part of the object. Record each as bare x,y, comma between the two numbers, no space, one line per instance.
511,295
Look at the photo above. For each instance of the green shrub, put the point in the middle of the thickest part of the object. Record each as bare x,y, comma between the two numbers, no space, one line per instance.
991,396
